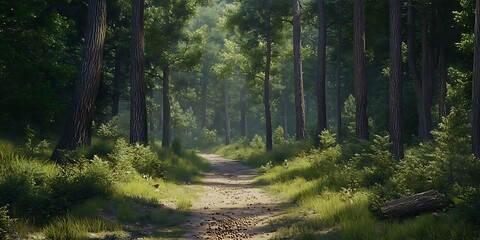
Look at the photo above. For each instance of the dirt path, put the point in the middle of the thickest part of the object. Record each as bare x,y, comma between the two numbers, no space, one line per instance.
231,207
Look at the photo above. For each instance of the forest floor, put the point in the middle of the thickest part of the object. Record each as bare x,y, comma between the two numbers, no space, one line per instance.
231,207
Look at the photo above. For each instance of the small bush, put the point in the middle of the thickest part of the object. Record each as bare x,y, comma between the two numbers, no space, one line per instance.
208,138
5,222
257,142
278,136
470,207
128,159
110,129
77,183
24,185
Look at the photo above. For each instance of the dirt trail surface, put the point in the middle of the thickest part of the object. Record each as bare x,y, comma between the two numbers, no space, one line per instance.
231,207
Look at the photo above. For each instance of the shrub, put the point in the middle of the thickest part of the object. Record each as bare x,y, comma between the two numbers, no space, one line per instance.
5,222
77,183
257,142
327,140
470,207
36,148
110,129
207,138
24,185
128,159
278,136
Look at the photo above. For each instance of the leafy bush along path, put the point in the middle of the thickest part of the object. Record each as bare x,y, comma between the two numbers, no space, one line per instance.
231,207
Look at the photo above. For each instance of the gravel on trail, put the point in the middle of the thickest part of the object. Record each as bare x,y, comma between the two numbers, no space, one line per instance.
231,207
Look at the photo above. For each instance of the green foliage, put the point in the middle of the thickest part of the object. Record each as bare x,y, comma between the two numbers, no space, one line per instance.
37,63
379,165
71,228
327,140
278,137
76,183
128,159
110,129
41,191
257,142
34,147
208,138
5,222
470,206
348,116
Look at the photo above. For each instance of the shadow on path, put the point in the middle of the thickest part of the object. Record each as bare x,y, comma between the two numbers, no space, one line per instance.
232,207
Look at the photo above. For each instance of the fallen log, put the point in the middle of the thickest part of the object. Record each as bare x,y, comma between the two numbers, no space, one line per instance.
413,205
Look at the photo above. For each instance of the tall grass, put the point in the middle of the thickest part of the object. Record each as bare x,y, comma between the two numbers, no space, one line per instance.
100,190
335,188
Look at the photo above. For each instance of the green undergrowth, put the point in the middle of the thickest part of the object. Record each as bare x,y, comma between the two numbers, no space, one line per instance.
338,188
253,153
111,190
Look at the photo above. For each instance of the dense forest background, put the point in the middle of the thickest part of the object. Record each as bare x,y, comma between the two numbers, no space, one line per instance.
214,48
390,88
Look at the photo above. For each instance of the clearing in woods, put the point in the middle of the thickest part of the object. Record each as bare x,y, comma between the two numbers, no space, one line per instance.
231,207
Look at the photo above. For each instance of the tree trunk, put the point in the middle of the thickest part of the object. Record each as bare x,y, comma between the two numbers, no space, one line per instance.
243,112
285,119
410,206
442,69
266,81
476,85
166,107
225,109
298,74
361,116
427,79
116,85
321,60
138,113
151,123
78,126
203,110
412,66
396,83
338,71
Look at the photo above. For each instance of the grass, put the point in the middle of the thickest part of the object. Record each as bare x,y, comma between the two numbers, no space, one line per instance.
122,205
187,168
70,227
331,201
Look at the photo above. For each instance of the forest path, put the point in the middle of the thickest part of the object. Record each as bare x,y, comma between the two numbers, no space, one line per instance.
231,207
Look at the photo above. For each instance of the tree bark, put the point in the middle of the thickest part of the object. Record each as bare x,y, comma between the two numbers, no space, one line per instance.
116,85
203,110
285,119
396,83
427,79
138,113
361,116
78,127
410,206
321,61
166,107
476,85
151,123
243,112
298,73
225,109
442,69
338,71
266,81
412,65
